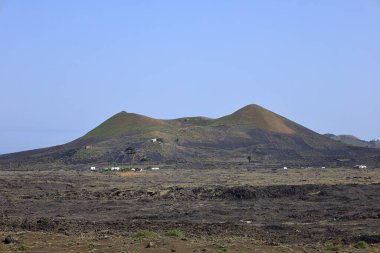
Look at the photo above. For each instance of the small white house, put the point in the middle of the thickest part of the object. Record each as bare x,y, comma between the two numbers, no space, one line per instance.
285,168
155,168
154,140
360,166
133,169
92,168
115,168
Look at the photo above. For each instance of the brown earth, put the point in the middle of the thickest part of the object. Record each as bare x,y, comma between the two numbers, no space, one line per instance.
131,174
295,210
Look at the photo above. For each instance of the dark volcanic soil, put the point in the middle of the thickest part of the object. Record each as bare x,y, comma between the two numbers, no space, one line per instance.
294,206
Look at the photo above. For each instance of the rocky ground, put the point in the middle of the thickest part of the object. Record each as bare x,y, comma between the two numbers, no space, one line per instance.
191,210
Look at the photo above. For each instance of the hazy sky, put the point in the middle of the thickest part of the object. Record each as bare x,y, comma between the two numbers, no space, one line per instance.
66,66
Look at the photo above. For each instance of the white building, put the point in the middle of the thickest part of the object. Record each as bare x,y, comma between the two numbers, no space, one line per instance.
92,168
155,168
115,168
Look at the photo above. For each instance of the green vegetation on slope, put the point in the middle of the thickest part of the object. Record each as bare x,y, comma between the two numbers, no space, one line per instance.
125,123
130,123
257,116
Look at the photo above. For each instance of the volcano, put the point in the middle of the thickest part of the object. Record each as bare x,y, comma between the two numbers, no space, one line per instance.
264,136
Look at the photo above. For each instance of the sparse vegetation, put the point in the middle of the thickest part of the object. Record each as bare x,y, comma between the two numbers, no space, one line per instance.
171,199
175,233
86,154
221,250
361,245
123,123
23,247
143,234
332,247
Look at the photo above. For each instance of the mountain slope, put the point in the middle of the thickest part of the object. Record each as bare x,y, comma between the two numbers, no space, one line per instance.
124,123
266,137
354,141
257,116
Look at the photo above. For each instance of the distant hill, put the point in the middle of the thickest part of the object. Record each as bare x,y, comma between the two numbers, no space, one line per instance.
254,131
354,141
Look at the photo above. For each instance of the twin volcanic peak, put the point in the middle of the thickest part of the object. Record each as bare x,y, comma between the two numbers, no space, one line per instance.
266,137
254,116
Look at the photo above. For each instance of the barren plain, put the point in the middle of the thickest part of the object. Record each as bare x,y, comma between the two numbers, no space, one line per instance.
191,210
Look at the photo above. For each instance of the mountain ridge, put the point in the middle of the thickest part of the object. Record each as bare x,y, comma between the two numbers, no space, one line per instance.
254,131
354,141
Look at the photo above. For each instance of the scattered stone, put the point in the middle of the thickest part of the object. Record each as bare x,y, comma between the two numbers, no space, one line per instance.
9,240
150,245
164,193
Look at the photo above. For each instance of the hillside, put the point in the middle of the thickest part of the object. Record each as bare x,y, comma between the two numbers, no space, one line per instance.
124,123
257,117
254,131
354,141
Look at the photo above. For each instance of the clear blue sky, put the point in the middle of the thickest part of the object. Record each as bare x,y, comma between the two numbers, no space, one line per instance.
66,66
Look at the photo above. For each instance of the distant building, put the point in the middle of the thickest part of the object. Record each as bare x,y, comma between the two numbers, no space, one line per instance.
157,140
285,168
360,166
92,168
155,168
115,168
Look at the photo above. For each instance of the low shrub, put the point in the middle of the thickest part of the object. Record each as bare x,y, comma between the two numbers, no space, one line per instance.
23,247
332,247
361,245
175,233
145,234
